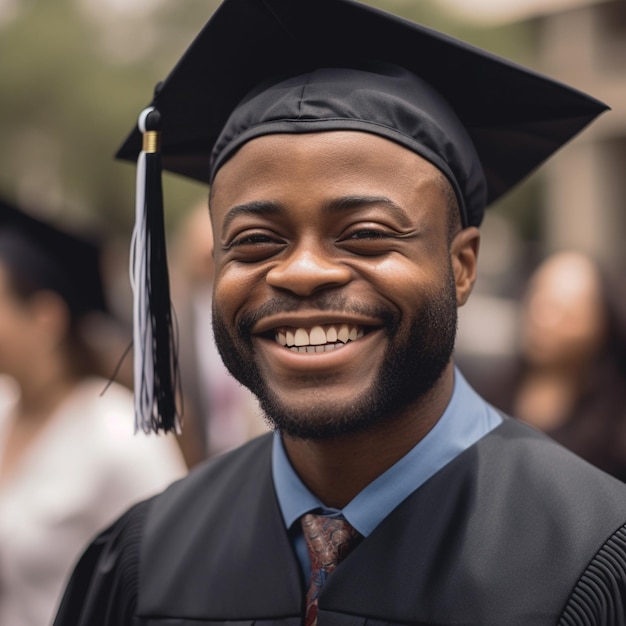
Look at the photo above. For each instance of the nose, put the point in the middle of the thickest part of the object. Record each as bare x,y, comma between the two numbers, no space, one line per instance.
307,269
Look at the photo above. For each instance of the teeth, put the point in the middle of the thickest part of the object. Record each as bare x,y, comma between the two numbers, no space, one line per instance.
325,348
318,338
302,337
343,334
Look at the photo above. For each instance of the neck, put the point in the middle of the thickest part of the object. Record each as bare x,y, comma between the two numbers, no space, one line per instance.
337,469
41,395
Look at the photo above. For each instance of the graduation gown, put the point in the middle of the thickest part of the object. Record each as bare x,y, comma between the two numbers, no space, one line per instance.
514,531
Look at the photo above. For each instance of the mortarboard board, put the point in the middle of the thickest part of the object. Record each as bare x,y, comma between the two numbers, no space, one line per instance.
515,117
51,258
485,122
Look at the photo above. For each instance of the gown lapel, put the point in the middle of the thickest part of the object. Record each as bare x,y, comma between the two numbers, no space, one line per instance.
236,560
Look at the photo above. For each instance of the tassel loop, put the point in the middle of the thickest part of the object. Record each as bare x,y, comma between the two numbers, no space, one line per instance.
150,127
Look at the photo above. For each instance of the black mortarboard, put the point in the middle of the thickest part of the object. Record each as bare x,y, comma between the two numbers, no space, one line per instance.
50,258
267,66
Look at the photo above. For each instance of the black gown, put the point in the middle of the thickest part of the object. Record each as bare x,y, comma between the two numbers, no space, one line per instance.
515,531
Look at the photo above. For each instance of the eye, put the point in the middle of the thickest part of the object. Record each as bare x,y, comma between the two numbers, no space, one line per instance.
368,233
368,240
253,245
250,239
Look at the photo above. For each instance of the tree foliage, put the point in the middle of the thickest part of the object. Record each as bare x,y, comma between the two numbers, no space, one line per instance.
76,73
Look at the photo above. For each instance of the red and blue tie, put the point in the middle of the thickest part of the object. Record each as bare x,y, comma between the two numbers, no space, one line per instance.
329,540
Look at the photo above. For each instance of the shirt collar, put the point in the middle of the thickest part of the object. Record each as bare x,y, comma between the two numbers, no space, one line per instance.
467,419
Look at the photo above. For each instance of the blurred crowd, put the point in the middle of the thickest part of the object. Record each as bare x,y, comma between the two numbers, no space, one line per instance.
555,354
69,460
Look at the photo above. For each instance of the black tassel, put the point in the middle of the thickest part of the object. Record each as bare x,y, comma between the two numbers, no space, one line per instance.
154,337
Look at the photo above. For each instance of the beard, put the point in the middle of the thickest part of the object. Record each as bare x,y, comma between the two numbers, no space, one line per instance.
414,361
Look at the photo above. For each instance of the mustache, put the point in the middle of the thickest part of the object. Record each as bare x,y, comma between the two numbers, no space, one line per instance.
323,302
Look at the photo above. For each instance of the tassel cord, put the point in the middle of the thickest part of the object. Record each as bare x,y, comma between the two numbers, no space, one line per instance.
155,358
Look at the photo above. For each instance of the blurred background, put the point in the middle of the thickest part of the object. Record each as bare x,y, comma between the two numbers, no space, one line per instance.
543,336
75,74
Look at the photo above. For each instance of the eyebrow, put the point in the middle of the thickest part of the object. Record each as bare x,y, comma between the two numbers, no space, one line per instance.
336,205
350,203
257,207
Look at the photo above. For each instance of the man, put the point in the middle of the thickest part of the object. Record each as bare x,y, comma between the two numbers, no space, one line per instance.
350,156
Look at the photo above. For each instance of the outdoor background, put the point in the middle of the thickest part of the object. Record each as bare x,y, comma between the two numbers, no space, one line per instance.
76,73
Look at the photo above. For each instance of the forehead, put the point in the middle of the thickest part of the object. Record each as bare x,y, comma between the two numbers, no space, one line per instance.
568,277
320,166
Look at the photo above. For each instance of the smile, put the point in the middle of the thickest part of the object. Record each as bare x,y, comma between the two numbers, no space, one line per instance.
318,338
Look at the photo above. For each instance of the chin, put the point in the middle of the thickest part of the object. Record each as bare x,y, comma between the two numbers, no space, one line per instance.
310,418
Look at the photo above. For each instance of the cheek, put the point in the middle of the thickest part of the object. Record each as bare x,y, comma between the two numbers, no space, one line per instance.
11,320
236,286
585,332
15,335
406,282
561,334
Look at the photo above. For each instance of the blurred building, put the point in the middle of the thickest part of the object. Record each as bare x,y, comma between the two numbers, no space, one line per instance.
586,201
582,43
583,199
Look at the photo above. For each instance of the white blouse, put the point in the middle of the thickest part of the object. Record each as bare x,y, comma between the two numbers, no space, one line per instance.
84,469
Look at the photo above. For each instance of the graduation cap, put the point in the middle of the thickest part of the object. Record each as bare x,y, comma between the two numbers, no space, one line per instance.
47,257
294,66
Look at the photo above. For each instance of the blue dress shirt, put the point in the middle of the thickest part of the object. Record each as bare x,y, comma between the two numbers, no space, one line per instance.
466,419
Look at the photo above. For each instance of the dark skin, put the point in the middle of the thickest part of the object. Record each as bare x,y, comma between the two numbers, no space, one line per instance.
328,229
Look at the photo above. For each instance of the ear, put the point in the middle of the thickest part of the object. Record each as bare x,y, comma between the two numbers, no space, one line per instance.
464,255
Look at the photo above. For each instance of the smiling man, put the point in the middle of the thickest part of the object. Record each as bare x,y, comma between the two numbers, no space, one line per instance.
336,273
350,157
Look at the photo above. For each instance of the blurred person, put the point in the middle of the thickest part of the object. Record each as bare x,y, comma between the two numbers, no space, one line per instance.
351,156
218,410
69,459
570,376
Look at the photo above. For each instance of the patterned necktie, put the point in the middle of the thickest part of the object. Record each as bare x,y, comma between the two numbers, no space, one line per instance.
329,540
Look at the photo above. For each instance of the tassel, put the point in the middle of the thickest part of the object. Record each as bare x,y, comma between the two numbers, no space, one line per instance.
155,359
